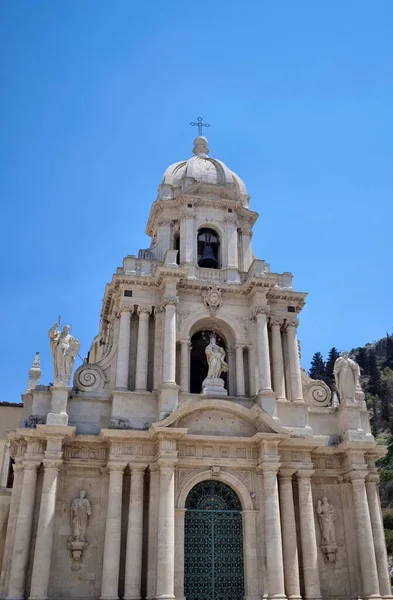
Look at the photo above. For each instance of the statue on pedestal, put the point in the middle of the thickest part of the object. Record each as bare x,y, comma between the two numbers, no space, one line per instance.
327,517
213,385
215,359
64,348
346,375
80,513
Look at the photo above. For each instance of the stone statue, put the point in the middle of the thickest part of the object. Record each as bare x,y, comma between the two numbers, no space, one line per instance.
80,513
215,359
64,348
346,375
327,517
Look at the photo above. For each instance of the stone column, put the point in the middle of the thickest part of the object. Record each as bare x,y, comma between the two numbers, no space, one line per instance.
45,529
368,563
277,358
111,563
142,348
263,349
133,574
240,385
308,538
293,357
21,550
166,533
250,555
123,351
232,242
274,558
247,248
169,371
289,541
152,528
381,557
12,515
251,371
158,336
185,366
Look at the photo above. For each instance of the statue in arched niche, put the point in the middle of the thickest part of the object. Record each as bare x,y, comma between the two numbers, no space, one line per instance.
215,355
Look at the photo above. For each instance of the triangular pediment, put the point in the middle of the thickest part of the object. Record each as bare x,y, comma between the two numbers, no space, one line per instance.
221,418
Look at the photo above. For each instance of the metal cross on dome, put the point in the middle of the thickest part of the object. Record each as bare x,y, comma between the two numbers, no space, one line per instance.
199,124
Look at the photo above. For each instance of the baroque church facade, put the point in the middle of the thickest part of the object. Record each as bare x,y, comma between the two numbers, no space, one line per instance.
192,457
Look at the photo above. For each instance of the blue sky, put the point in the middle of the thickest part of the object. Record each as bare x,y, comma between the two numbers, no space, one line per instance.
95,104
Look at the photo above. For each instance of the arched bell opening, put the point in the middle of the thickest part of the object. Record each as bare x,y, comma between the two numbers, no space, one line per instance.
176,241
213,543
208,244
199,366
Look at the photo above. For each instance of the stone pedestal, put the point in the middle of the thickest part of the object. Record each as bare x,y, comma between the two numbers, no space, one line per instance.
168,399
214,387
349,421
58,414
266,399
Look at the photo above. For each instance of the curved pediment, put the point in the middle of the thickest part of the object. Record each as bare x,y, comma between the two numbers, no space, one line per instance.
221,418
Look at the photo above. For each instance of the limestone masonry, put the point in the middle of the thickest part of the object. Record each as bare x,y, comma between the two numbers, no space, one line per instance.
192,457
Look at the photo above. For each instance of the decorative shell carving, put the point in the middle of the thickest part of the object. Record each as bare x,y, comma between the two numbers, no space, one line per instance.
89,378
316,392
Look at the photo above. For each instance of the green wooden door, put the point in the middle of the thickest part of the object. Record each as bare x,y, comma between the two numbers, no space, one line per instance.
213,543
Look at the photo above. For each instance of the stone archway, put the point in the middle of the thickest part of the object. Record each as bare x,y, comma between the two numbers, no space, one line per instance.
213,543
198,362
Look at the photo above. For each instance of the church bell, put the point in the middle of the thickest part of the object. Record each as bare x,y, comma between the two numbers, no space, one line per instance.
208,259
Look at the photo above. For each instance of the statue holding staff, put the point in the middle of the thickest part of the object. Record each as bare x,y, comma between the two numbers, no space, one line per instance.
64,348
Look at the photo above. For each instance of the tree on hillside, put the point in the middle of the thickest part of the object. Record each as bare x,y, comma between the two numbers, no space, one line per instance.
329,367
317,369
374,384
361,358
389,352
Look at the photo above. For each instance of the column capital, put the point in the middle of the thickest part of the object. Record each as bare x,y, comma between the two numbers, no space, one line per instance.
373,478
116,467
170,301
259,310
17,467
143,310
29,465
355,476
124,308
159,309
275,321
137,468
167,465
290,322
267,467
52,464
286,474
303,474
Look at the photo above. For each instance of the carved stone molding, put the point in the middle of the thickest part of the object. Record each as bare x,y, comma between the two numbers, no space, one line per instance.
181,316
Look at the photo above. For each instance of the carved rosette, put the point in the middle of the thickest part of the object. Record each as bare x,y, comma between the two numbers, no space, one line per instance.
89,378
212,298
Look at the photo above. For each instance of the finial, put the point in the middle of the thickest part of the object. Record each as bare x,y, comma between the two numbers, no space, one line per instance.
34,373
200,147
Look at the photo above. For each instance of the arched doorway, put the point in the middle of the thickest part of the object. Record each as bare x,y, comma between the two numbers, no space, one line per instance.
199,366
213,543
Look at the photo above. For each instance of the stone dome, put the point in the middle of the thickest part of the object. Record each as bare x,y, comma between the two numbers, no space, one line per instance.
200,169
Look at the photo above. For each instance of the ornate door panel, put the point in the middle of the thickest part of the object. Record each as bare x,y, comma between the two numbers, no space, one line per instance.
213,544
